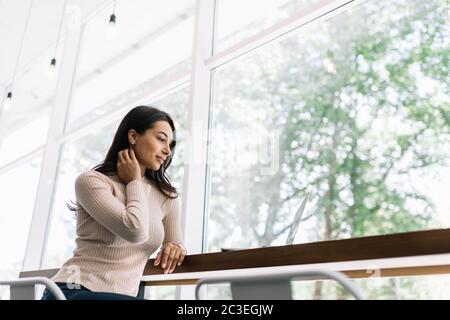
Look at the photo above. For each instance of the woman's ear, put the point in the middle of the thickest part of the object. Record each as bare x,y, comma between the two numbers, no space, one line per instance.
132,137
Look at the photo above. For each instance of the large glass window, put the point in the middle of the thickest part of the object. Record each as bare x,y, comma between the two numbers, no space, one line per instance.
353,109
148,46
237,20
18,188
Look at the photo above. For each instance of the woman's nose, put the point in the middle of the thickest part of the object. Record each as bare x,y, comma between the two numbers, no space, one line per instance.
167,151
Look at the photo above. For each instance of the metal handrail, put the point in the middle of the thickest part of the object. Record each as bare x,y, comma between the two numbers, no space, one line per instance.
51,286
304,275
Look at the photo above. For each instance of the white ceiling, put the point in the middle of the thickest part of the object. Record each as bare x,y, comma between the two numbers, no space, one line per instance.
138,23
41,33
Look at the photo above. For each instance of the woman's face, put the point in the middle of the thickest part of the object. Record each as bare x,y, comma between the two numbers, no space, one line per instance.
153,146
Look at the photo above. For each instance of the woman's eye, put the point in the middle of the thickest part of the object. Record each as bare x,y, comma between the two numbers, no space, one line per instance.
161,139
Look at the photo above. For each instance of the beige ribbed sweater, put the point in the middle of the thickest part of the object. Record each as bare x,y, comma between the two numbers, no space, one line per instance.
118,227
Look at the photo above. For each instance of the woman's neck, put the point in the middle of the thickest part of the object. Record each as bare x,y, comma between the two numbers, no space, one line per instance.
143,168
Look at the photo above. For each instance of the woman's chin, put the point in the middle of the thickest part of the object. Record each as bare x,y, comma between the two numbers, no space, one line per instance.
155,166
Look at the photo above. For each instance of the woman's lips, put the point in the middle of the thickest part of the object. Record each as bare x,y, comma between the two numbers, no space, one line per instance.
160,160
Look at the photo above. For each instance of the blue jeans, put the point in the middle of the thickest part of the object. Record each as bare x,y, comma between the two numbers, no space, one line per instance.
84,293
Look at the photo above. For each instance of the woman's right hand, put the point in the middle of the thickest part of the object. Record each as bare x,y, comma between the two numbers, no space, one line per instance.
128,168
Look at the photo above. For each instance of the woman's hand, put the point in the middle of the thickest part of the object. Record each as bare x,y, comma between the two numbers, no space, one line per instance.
170,256
128,168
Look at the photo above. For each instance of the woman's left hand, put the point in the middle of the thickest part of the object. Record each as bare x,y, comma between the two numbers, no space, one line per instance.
170,256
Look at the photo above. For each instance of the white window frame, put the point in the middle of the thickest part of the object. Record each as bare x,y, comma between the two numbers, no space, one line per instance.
195,167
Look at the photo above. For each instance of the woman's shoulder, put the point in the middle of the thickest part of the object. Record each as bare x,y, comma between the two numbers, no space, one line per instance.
93,173
94,177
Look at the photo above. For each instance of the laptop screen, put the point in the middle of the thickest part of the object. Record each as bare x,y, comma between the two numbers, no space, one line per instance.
296,222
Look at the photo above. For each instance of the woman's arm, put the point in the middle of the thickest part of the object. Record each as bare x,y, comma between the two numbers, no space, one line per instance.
172,223
131,221
173,252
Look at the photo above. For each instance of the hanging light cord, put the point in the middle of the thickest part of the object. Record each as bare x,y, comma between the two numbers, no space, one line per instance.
21,42
60,27
112,17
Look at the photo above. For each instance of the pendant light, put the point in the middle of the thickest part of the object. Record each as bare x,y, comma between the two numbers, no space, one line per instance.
111,32
52,70
8,101
7,104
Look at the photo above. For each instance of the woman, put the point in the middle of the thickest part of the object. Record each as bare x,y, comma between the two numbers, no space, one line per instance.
126,208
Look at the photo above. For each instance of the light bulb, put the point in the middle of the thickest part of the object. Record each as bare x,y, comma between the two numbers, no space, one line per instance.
111,31
8,101
51,72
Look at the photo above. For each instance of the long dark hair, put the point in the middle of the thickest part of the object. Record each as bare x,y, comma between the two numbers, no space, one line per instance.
140,119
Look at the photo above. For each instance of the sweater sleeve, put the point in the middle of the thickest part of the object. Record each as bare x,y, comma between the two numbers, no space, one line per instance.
172,223
130,222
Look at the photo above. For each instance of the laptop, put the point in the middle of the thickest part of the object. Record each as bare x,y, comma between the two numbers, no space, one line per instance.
292,231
